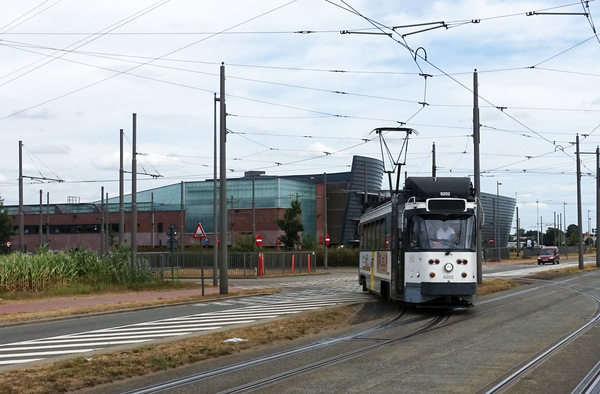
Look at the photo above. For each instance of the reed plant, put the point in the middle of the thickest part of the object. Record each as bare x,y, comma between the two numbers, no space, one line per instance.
45,270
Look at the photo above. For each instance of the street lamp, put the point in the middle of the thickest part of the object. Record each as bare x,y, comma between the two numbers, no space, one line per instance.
498,218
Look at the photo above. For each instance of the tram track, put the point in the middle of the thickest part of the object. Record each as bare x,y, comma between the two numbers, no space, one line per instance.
396,321
432,321
590,384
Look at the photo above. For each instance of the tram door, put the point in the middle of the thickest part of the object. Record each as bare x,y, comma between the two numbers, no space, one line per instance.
397,247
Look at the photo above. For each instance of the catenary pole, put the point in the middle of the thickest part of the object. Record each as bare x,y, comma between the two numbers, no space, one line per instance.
102,235
433,166
597,202
325,220
215,208
21,213
476,174
134,193
579,232
121,193
223,285
182,231
41,228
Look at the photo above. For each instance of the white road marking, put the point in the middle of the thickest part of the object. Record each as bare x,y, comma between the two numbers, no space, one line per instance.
256,308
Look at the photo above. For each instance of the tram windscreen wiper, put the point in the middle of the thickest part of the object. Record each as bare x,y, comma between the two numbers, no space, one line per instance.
452,245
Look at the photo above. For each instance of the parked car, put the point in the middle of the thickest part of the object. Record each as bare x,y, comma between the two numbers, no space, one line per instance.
549,254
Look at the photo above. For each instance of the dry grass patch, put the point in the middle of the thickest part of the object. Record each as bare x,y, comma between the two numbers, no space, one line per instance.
97,369
565,271
18,317
494,285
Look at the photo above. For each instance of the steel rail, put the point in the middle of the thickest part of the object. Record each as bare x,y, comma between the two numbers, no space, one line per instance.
527,367
434,324
328,361
246,364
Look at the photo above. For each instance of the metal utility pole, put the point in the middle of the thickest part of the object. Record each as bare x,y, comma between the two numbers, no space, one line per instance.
134,193
182,231
476,174
48,216
106,225
152,242
40,240
215,207
518,237
537,217
325,220
579,232
433,166
366,197
495,223
21,213
253,214
498,216
102,251
224,286
121,193
560,229
565,221
554,228
597,202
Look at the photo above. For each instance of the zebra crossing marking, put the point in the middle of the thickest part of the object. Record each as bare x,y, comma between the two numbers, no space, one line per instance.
256,308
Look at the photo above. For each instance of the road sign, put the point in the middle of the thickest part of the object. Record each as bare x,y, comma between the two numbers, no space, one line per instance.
206,241
327,240
8,243
199,233
258,240
172,244
491,240
171,230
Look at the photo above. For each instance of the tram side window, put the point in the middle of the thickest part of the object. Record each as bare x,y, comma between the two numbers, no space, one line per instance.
388,232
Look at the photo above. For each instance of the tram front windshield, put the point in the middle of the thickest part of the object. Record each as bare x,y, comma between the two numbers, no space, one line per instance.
431,232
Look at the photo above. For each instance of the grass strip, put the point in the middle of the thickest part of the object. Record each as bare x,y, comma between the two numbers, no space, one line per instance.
93,370
490,286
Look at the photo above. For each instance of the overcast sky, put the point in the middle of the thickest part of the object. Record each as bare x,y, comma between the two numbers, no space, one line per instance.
301,97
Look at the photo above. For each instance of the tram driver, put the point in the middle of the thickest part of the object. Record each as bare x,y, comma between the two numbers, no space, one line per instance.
445,232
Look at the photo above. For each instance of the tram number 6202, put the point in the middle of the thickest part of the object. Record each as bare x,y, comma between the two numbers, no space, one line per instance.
448,276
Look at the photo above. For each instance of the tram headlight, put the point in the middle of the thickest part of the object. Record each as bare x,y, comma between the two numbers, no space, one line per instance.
432,274
448,267
464,274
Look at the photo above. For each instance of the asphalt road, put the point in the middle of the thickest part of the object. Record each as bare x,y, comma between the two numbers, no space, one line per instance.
422,351
30,344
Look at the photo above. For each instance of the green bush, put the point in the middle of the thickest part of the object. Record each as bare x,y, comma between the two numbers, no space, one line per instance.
339,257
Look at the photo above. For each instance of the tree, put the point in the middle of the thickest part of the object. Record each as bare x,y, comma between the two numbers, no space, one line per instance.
291,225
572,234
310,241
6,227
549,238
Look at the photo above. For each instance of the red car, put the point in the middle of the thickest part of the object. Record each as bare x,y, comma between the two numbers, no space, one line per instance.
549,254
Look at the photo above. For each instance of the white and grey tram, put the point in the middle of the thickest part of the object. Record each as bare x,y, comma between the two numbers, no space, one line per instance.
419,246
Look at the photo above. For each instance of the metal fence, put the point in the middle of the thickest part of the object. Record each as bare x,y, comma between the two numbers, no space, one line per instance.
239,265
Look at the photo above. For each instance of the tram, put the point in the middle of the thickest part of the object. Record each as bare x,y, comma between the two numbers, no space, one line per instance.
419,246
